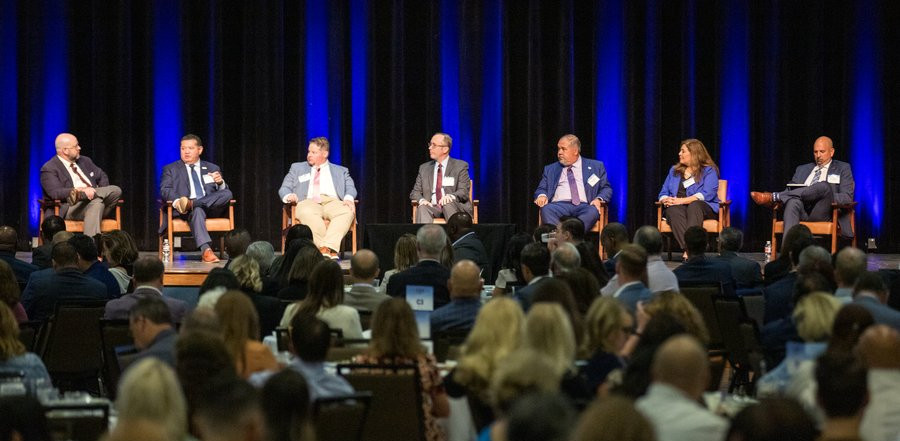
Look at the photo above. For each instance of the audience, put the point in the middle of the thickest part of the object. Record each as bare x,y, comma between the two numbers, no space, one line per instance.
13,356
540,417
24,418
9,292
679,307
325,301
148,281
405,257
613,237
466,244
773,419
119,251
236,243
263,253
286,407
547,332
699,269
217,283
267,307
871,293
465,286
606,329
848,265
779,294
879,350
556,291
572,230
150,323
429,271
564,258
583,285
659,277
199,358
240,330
842,394
229,409
307,257
294,232
8,240
535,265
203,319
150,391
631,271
509,278
613,419
63,281
286,264
363,294
782,266
648,336
89,264
746,273
40,256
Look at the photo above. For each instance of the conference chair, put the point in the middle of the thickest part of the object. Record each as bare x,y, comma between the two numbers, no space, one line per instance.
77,226
440,220
396,410
603,211
288,216
176,225
70,345
824,228
341,418
714,226
113,334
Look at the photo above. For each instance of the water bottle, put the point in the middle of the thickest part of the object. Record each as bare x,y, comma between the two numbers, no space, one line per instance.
166,250
768,251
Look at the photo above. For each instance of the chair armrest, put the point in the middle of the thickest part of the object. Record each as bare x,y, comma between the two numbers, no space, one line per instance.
49,203
414,203
847,206
725,203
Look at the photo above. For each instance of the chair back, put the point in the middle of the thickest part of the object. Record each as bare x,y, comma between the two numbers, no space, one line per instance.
445,340
701,295
113,334
396,407
72,347
722,192
756,307
28,332
341,418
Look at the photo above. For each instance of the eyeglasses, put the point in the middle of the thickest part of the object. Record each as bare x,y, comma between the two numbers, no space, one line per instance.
75,147
432,145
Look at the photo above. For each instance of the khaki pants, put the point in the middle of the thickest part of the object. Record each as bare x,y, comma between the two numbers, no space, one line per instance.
314,214
92,211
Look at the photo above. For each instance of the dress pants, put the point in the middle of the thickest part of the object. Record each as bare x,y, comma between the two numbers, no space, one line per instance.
213,204
811,203
588,214
681,217
92,211
426,214
313,214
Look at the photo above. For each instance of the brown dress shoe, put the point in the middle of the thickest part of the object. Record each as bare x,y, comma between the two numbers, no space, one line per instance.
325,251
763,198
183,205
209,256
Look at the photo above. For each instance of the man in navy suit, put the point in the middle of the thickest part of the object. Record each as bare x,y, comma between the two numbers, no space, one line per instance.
466,244
63,281
700,269
535,266
817,185
81,185
197,190
747,273
430,242
322,191
20,268
871,293
574,186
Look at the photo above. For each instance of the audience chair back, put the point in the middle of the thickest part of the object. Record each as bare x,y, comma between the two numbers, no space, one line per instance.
77,226
730,314
825,228
444,341
72,347
28,332
176,225
396,408
713,226
755,305
701,295
440,220
113,334
341,418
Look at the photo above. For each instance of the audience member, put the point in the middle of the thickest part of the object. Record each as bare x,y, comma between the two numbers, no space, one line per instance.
606,329
286,406
613,419
405,257
679,307
879,350
782,266
9,292
363,295
148,281
564,258
659,277
268,308
466,244
613,237
200,357
779,295
150,323
325,301
773,419
650,334
240,330
699,269
202,319
430,242
746,273
524,371
556,291
64,281
871,293
815,259
631,271
294,232
548,332
535,265
217,283
540,417
849,324
842,394
286,264
149,390
510,276
119,251
572,230
236,243
584,287
89,264
8,240
298,277
542,233
40,256
229,409
13,356
848,265
465,286
263,253
24,418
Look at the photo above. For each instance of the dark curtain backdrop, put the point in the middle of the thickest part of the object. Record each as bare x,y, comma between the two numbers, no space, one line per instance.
257,79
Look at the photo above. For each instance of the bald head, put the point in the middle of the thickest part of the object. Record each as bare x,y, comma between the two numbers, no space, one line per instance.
64,140
823,150
364,266
465,280
8,238
681,362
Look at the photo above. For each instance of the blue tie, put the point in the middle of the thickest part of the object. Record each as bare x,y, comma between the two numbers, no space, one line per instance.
198,184
816,175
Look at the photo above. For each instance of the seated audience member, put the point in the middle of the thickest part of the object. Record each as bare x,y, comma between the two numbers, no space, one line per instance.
148,276
287,407
659,277
700,269
606,329
871,293
150,391
782,266
201,320
646,340
229,409
298,277
21,268
572,230
850,323
217,283
816,259
64,281
281,277
613,237
13,356
200,357
773,419
325,301
746,273
779,295
294,232
548,332
613,419
631,271
842,393
584,287
24,418
535,264
556,291
9,292
879,349
679,307
509,278
540,417
40,256
87,252
363,294
150,323
848,265
310,340
564,258
497,333
466,244
395,340
405,257
119,251
430,242
263,253
542,233
268,308
236,243
240,330
465,286
680,373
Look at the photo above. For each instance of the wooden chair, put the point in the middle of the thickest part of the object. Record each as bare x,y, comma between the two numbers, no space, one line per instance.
824,228
288,214
603,211
77,226
176,225
710,225
440,220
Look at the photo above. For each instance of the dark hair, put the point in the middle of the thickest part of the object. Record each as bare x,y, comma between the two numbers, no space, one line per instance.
236,242
24,415
224,400
9,288
542,229
632,260
153,309
809,282
773,419
220,277
394,331
636,378
52,225
870,281
286,405
459,221
842,384
200,357
616,231
648,238
311,337
148,269
798,246
63,254
536,257
790,236
304,261
849,324
192,137
553,290
326,288
511,258
85,247
541,417
287,261
573,226
584,287
118,248
695,240
298,231
731,239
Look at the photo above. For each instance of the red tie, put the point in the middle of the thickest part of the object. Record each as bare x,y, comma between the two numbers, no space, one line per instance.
315,187
77,173
438,193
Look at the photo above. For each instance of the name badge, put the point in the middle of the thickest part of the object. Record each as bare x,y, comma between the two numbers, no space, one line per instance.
834,179
207,179
448,181
303,178
689,182
593,180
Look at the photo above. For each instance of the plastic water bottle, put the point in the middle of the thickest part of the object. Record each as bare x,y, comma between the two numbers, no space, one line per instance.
768,251
166,250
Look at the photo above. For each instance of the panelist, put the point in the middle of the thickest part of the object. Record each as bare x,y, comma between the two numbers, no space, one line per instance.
690,192
321,190
574,186
197,190
442,185
813,188
81,185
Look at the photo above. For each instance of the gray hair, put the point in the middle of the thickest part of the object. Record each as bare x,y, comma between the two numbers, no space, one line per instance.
649,238
731,239
814,254
431,240
263,253
565,258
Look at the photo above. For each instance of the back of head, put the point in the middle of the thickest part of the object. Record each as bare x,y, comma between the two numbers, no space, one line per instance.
8,238
613,418
773,419
797,247
677,306
557,292
459,222
465,280
298,231
649,238
536,257
682,362
632,262
310,338
695,241
304,263
246,270
540,416
604,318
565,258
498,330
430,240
364,265
842,384
810,280
227,408
199,358
849,324
202,319
870,282
326,288
394,330
64,255
792,235
848,265
219,278
548,331
62,236
815,256
574,227
514,246
118,248
147,270
237,241
286,407
263,253
524,371
9,288
287,261
153,309
240,323
150,390
614,232
51,226
85,247
584,287
541,230
731,239
814,316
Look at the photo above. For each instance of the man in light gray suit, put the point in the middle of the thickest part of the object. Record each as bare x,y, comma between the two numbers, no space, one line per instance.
364,268
323,191
442,185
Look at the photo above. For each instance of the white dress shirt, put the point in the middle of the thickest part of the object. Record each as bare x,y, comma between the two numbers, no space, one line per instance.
76,181
434,178
823,175
563,193
676,417
326,184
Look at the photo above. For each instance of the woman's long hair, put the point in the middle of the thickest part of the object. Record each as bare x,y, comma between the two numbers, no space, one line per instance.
326,288
699,158
394,331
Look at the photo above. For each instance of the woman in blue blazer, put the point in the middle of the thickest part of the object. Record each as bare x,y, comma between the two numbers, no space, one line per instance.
690,192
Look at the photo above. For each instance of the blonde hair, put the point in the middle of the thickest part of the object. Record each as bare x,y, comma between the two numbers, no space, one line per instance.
150,391
10,345
814,316
603,319
522,372
549,332
498,331
679,307
246,270
240,323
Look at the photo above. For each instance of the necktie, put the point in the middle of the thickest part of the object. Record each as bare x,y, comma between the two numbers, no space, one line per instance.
198,184
816,175
315,187
439,184
573,188
80,176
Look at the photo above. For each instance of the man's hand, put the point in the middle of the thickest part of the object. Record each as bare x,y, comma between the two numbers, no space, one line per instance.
446,199
217,177
597,203
291,198
424,203
541,201
351,205
89,192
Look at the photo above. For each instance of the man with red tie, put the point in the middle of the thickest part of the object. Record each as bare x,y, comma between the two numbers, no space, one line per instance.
442,185
82,187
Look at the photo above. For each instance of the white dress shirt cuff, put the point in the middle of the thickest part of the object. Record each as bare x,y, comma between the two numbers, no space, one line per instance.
700,196
348,198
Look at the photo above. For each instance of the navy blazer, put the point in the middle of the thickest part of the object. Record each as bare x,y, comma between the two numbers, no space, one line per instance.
706,189
21,268
57,182
299,178
46,287
424,273
470,247
842,190
525,294
746,273
703,270
589,167
780,298
175,182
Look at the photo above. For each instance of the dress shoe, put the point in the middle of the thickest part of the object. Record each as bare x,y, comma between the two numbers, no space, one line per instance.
209,256
763,198
326,252
182,205
74,196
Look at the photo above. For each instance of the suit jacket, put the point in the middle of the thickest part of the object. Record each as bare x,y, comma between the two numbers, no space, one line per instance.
424,273
843,190
299,178
162,347
470,247
882,314
589,167
704,269
780,298
175,181
525,294
777,269
100,271
746,272
457,169
21,268
633,293
706,188
40,256
118,309
365,297
57,182
46,287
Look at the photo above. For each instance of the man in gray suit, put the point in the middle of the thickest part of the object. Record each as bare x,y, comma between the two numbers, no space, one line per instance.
323,191
442,185
364,268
